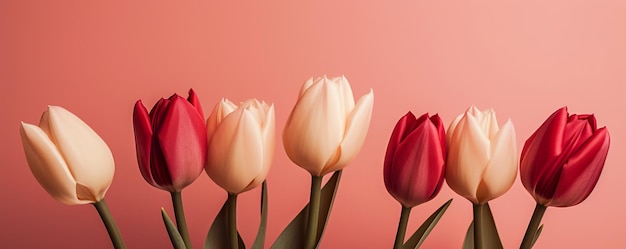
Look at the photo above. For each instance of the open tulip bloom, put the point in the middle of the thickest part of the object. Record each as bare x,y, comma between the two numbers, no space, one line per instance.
171,147
71,162
561,163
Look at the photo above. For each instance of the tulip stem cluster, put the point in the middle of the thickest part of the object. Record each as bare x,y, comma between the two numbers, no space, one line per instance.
531,231
478,225
232,221
181,222
314,207
404,220
109,223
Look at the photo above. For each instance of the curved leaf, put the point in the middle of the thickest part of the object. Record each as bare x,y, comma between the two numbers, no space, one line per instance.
416,240
294,235
217,238
175,237
539,230
490,232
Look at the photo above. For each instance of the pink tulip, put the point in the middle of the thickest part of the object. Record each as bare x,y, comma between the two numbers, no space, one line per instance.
170,141
482,157
415,159
241,144
562,161
326,129
70,161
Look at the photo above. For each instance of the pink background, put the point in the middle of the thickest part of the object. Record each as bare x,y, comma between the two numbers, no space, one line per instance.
524,58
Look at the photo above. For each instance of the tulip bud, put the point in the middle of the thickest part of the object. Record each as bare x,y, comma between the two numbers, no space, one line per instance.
482,158
241,144
170,141
70,161
415,159
325,129
562,161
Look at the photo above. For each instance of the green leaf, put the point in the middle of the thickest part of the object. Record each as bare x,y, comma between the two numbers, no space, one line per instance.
294,235
536,235
490,233
260,235
175,237
416,240
217,237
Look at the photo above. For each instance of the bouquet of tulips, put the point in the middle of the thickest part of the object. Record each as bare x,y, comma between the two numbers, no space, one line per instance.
559,164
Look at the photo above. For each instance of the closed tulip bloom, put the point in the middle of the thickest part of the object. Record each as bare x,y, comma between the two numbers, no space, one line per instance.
562,161
70,161
241,144
415,159
482,158
326,129
170,141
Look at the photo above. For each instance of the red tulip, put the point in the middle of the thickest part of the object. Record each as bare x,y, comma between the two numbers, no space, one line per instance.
562,161
415,159
171,141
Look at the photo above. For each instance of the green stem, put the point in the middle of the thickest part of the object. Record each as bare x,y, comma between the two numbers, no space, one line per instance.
478,225
109,223
531,231
232,221
181,222
404,220
314,210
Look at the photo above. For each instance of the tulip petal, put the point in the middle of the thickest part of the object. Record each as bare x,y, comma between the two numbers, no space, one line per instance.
88,157
221,110
467,158
143,140
540,149
356,130
235,154
307,84
346,94
195,101
48,165
268,134
315,128
582,171
397,135
418,166
182,140
501,170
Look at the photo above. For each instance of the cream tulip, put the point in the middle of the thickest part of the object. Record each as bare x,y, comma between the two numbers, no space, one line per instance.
241,144
325,129
482,158
70,161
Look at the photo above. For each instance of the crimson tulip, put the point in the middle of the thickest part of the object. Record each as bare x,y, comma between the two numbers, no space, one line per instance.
562,161
171,141
415,160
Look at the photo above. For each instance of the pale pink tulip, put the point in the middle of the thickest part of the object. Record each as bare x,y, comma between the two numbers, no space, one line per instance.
241,144
326,130
482,158
70,161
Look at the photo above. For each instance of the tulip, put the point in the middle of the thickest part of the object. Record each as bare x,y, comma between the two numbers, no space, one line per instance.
241,147
171,147
326,130
482,158
170,141
561,163
71,162
414,164
415,159
482,162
